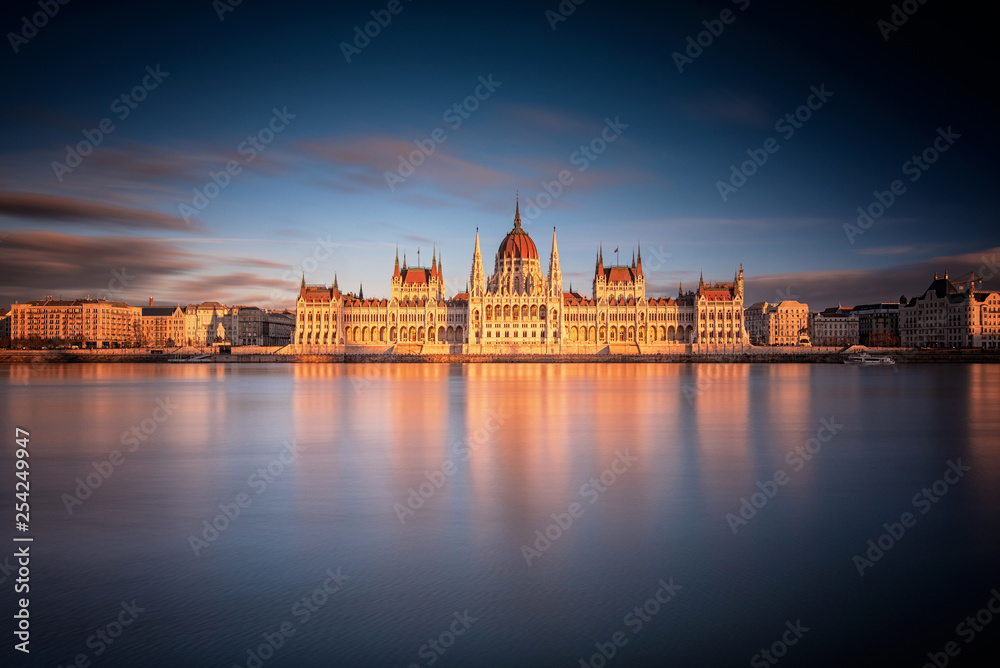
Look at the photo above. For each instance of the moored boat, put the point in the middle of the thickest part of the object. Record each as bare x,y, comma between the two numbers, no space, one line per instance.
865,358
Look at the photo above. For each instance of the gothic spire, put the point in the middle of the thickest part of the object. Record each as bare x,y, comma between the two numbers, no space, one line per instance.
555,270
517,211
335,282
477,279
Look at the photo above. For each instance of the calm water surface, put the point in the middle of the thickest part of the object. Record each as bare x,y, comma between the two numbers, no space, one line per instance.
430,489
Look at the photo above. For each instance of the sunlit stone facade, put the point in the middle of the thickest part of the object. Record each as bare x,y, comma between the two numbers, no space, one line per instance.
95,323
520,308
783,324
945,317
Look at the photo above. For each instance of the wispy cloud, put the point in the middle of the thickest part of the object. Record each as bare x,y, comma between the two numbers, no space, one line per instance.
33,264
729,107
550,120
47,208
887,250
859,286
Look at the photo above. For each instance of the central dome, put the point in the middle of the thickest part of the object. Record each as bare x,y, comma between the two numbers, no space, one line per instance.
517,243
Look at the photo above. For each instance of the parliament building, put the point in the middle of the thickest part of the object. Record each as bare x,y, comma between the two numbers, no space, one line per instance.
519,308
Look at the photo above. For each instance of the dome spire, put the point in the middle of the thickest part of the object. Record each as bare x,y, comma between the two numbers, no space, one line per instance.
517,211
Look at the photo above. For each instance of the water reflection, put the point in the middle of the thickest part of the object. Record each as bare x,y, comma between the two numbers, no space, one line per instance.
491,452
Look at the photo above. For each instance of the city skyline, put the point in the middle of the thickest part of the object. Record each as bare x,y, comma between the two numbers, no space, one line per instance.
222,169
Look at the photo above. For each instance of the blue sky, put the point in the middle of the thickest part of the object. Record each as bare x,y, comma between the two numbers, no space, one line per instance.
315,199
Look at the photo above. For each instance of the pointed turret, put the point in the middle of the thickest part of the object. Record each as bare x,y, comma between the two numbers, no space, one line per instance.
555,270
395,273
477,278
638,267
361,291
404,260
303,286
434,263
440,275
599,278
517,212
680,289
701,281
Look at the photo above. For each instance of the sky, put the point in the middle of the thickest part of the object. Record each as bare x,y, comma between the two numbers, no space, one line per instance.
222,151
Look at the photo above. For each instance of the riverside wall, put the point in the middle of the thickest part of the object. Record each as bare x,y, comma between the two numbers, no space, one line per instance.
761,354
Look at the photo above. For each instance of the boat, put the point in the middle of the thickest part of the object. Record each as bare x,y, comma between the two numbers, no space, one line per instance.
865,358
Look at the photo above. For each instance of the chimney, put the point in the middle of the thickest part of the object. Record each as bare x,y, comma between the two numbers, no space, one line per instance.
150,301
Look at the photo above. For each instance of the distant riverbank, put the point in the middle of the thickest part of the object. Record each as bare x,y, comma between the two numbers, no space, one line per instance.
759,354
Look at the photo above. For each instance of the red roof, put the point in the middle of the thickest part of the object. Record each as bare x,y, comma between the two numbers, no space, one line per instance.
618,275
716,294
517,244
415,275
